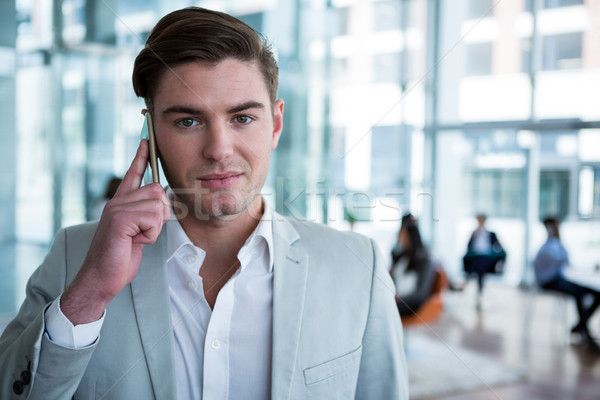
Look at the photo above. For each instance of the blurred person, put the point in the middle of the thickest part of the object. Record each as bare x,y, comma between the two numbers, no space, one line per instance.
412,268
204,291
109,192
549,265
484,255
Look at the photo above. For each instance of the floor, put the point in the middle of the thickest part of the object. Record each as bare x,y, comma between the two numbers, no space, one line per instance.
525,330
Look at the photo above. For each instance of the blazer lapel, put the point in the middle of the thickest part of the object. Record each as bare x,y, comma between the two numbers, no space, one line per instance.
150,291
289,289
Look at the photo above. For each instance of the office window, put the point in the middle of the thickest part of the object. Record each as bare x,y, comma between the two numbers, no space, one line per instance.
255,20
562,51
131,6
386,67
561,3
498,193
340,17
335,149
74,21
390,153
588,196
525,55
481,8
479,59
387,15
595,189
562,144
554,194
339,71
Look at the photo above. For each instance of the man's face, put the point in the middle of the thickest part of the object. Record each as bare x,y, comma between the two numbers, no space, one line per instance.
215,130
552,228
480,220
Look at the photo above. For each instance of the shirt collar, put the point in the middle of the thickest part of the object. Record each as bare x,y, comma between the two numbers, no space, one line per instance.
176,237
264,229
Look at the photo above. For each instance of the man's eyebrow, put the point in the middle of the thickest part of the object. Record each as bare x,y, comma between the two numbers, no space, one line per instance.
245,106
183,110
177,109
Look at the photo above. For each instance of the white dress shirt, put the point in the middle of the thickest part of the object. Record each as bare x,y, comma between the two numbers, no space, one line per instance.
481,241
224,353
233,341
405,281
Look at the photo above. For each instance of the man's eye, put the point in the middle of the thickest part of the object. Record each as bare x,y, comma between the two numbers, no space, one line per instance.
243,119
187,122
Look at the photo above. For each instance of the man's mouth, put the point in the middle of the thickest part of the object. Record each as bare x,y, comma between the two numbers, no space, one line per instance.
219,181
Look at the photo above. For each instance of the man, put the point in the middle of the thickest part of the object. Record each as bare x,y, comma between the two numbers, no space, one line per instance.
549,264
484,255
205,292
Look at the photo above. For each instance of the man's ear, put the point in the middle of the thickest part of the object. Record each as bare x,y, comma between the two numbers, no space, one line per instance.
277,122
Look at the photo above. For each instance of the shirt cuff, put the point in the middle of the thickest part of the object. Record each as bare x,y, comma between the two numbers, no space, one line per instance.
62,332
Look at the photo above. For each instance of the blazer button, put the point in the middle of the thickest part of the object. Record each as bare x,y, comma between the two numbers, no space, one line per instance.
25,377
18,387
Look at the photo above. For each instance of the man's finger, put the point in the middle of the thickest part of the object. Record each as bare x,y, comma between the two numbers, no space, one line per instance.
133,178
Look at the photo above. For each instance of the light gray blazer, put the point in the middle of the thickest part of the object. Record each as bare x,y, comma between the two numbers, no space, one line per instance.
336,329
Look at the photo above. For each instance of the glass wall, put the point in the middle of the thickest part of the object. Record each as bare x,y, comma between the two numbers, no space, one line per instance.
517,127
443,109
7,155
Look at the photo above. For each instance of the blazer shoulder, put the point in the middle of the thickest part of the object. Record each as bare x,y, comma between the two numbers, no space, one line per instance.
327,235
73,243
84,230
325,242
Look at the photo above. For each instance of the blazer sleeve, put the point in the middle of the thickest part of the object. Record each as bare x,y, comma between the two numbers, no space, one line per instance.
33,366
470,244
383,372
495,242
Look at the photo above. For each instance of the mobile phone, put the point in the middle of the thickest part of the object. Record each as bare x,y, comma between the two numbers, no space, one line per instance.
148,133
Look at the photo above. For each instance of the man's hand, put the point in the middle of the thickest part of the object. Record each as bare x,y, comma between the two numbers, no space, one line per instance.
132,219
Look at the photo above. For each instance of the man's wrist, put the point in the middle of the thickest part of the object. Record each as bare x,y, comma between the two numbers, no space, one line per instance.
82,306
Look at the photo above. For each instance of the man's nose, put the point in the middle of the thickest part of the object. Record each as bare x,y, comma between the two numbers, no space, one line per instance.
219,141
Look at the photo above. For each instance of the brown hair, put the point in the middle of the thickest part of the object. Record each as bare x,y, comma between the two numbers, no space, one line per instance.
197,34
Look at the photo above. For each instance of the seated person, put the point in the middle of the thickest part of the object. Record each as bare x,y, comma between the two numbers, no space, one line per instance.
412,270
549,265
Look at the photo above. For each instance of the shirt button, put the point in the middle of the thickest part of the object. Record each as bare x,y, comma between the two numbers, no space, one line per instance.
190,259
215,344
192,284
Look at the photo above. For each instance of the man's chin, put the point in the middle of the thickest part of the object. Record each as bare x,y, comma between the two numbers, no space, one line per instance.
183,210
222,206
223,212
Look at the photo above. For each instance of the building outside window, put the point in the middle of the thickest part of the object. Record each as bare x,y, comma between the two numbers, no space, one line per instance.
479,59
554,194
562,51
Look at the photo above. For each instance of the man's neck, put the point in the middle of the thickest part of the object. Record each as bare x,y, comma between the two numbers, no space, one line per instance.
223,235
221,239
